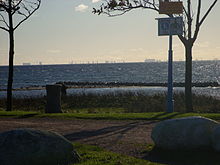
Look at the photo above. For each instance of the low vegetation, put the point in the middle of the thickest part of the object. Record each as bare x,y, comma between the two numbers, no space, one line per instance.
118,103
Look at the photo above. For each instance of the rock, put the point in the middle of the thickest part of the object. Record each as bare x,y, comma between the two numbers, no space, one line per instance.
184,133
35,147
216,139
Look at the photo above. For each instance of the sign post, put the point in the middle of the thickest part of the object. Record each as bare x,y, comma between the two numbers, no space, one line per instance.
169,27
170,76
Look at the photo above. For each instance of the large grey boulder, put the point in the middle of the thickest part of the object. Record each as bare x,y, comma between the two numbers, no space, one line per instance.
216,139
184,133
35,147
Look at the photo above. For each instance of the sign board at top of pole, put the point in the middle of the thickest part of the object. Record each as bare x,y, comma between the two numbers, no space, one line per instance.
170,26
170,7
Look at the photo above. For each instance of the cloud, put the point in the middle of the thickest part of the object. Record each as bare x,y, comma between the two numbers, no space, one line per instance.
81,8
95,1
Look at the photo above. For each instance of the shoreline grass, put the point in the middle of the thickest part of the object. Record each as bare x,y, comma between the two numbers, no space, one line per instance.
118,103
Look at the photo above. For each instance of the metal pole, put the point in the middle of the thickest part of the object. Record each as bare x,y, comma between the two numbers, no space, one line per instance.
170,77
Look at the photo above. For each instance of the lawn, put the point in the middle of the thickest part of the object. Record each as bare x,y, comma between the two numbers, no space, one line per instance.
92,155
156,116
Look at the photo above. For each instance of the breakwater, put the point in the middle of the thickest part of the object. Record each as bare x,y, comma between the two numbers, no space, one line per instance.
128,84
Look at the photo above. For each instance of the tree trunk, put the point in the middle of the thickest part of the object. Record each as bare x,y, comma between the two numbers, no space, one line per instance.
188,78
10,71
11,64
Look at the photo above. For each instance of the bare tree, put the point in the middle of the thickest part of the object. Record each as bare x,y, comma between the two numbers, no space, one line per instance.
12,14
193,20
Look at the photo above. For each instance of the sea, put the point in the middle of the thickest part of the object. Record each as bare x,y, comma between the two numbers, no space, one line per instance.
142,72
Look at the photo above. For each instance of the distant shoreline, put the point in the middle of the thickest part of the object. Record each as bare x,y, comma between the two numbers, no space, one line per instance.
116,85
95,63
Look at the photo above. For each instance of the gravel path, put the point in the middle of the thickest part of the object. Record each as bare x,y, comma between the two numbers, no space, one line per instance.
125,137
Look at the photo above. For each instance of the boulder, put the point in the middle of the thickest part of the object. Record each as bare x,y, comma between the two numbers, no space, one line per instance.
35,147
184,133
216,139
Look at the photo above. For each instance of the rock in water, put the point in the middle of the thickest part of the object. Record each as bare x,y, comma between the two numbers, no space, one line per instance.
184,133
35,147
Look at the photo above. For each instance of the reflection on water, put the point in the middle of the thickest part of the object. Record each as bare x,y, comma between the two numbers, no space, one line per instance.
40,75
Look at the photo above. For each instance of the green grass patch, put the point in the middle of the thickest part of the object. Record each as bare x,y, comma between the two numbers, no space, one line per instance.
95,110
92,155
18,114
157,116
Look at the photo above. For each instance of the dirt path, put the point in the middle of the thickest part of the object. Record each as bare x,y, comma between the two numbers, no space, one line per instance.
126,137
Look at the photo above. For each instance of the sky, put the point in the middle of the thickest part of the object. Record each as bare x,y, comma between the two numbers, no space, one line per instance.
63,32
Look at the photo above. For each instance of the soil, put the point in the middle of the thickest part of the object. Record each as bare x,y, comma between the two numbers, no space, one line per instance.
124,137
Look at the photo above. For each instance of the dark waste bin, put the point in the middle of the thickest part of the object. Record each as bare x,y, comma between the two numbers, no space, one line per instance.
53,99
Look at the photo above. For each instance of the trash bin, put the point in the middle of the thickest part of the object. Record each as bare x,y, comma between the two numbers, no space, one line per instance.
53,99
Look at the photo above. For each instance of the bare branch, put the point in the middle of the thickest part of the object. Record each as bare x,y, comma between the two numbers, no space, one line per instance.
198,12
207,13
34,6
184,10
110,15
3,28
119,7
18,3
182,39
3,20
16,7
189,19
197,21
3,6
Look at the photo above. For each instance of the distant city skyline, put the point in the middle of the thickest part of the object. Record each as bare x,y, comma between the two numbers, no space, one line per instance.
106,62
61,32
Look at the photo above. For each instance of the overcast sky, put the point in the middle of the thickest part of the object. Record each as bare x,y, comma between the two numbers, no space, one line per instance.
62,31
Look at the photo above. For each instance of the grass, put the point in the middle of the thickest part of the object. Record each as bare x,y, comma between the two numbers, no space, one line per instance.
117,103
92,155
157,116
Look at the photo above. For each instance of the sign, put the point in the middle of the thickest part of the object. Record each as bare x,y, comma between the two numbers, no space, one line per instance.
170,7
170,26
